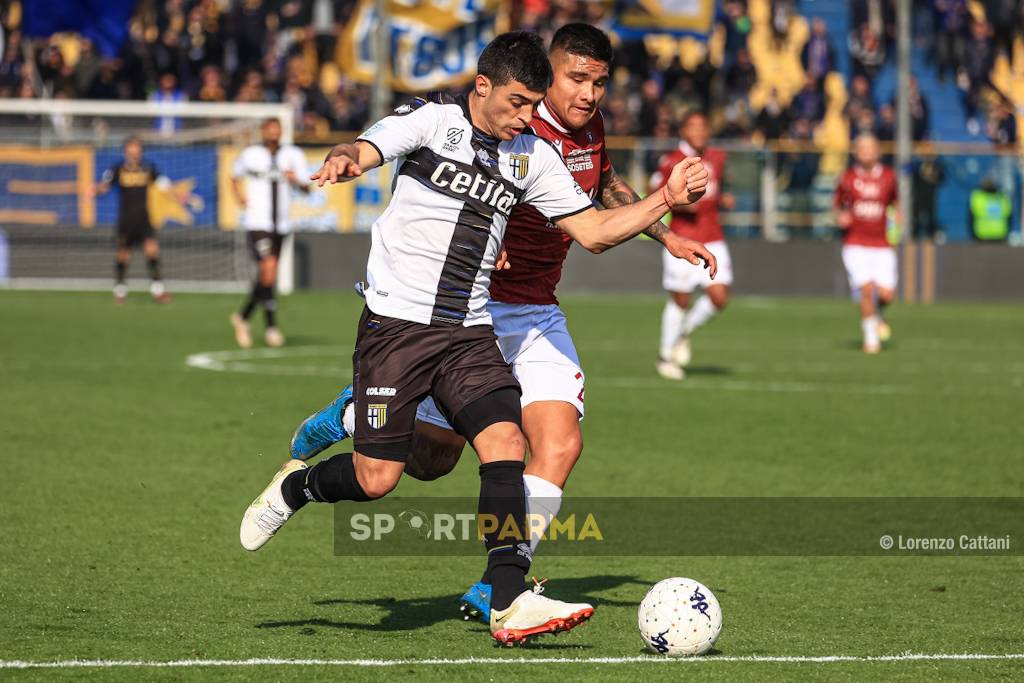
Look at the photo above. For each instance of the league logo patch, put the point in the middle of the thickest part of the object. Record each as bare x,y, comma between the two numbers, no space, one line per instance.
377,414
520,165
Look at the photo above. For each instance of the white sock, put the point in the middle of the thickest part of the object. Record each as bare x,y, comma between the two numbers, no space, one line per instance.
672,320
543,500
348,418
701,313
870,328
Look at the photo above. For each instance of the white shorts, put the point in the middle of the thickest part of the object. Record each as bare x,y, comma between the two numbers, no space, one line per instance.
683,276
535,340
870,264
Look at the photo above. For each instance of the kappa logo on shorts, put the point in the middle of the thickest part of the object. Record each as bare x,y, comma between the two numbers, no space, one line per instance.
377,414
520,165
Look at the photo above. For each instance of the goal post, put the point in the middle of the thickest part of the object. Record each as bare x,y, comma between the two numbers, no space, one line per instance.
55,234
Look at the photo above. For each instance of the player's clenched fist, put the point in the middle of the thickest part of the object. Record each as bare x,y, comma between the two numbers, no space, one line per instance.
687,183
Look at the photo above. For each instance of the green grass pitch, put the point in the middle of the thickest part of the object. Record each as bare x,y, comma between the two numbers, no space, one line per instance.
126,472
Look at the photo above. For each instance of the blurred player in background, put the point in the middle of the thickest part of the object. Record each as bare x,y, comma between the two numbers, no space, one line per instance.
699,222
532,330
132,178
270,171
862,200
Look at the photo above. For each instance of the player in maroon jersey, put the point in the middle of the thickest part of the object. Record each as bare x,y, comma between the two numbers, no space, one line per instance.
530,327
700,222
862,201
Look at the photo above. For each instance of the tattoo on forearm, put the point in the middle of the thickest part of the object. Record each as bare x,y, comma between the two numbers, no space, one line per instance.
658,231
616,192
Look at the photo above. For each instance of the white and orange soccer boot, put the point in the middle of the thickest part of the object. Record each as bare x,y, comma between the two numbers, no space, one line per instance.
242,336
268,512
532,614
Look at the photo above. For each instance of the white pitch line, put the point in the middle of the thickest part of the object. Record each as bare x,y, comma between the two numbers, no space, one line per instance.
498,661
260,362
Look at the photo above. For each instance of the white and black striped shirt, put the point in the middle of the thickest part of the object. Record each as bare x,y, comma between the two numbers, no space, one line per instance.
435,245
267,191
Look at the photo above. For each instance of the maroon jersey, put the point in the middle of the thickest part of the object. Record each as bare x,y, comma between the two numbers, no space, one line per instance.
536,248
702,224
866,194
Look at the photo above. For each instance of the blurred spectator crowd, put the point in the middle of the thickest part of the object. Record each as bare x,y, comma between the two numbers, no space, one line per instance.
767,73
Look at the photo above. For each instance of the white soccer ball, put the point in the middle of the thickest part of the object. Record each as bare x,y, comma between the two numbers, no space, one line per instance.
679,617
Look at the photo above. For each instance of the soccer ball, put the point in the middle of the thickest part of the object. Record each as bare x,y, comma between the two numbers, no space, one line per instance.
679,617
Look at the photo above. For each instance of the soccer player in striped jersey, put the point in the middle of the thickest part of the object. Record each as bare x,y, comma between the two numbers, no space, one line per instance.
532,331
270,172
426,330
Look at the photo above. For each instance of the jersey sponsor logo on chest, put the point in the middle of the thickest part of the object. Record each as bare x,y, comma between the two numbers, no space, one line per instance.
487,190
134,178
869,189
579,160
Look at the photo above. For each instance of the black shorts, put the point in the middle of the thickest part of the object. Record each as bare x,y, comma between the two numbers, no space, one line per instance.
131,236
263,244
398,363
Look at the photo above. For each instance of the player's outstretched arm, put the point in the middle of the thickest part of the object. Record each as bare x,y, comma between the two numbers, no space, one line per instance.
597,230
348,161
615,192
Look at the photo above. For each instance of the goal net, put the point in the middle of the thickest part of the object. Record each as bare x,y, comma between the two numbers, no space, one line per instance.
55,234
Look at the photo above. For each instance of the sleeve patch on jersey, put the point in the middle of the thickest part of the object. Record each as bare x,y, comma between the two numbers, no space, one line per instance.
519,164
409,107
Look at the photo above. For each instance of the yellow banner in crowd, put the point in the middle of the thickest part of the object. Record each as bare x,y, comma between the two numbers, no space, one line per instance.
679,17
433,44
344,207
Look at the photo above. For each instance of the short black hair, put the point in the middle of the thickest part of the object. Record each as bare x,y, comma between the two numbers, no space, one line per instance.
583,40
516,56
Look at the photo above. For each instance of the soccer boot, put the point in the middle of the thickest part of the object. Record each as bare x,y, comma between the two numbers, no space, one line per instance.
242,336
871,348
273,337
532,614
268,512
159,292
323,429
884,331
669,370
681,351
476,602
